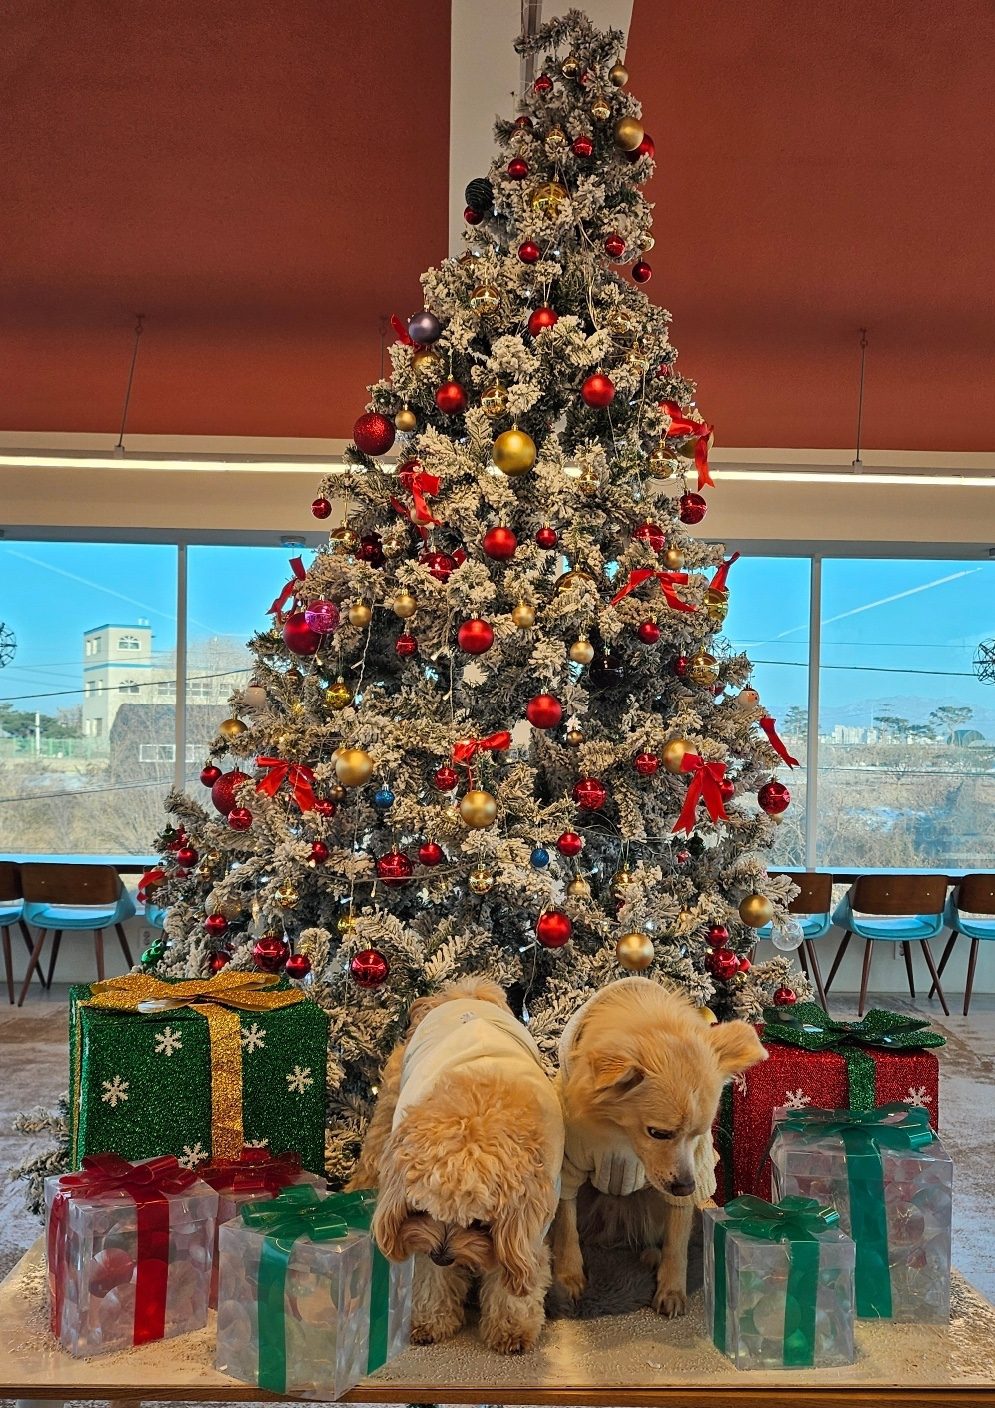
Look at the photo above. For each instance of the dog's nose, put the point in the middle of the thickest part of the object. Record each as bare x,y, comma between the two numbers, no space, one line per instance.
441,1257
681,1188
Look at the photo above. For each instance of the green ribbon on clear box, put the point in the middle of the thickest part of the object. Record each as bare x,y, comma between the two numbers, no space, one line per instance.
299,1211
865,1135
799,1222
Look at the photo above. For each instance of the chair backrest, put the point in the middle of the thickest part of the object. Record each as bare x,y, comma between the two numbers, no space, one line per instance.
976,894
71,884
899,894
10,881
815,892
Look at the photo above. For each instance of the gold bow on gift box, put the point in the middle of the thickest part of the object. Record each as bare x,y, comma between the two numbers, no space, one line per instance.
219,1000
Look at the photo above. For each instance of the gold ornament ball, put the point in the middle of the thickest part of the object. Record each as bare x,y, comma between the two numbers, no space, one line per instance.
707,1015
579,889
524,616
628,133
635,951
673,559
622,321
601,110
343,539
588,482
336,793
231,728
618,76
204,870
338,695
662,464
703,668
231,908
485,300
556,139
346,923
287,896
425,360
749,696
716,606
353,767
478,809
404,605
514,452
570,67
481,880
673,753
582,651
549,199
406,420
494,400
756,911
575,737
574,578
618,881
360,613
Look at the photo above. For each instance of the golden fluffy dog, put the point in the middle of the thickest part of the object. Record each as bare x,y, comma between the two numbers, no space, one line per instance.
466,1144
640,1079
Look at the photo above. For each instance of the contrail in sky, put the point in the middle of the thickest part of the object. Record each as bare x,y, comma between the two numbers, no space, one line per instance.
100,587
884,600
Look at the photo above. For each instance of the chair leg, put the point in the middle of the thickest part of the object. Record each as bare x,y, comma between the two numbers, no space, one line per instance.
32,965
927,954
56,945
865,975
948,949
969,985
8,964
123,941
803,958
838,959
808,948
29,944
907,955
98,953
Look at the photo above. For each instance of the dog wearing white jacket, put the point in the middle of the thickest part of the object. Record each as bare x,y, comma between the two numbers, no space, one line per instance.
466,1144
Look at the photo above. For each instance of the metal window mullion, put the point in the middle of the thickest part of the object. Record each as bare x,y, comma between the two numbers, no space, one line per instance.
180,695
812,753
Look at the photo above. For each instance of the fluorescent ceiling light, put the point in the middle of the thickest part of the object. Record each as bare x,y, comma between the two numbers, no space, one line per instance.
873,476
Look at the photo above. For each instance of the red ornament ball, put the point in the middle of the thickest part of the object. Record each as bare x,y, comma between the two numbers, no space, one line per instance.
325,808
240,818
546,538
743,964
680,666
475,636
722,963
582,146
784,997
368,968
431,853
651,534
727,789
219,959
298,635
216,925
500,543
450,398
187,856
570,844
371,550
542,317
646,147
524,123
615,246
440,565
373,433
270,953
544,711
648,632
471,216
223,790
543,84
445,778
298,966
553,929
717,935
459,556
321,508
682,857
394,869
406,646
319,852
529,252
646,764
773,797
518,168
692,508
209,774
641,272
590,794
598,390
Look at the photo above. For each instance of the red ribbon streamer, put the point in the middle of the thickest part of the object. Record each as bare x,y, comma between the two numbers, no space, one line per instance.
421,485
300,778
703,787
466,751
297,567
720,580
681,426
254,1171
402,333
767,724
667,580
148,1185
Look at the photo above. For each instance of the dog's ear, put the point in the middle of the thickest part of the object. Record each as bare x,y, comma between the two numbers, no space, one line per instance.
392,1207
737,1046
420,1009
615,1071
517,1232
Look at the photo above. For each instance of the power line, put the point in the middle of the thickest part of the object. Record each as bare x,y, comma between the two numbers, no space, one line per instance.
113,688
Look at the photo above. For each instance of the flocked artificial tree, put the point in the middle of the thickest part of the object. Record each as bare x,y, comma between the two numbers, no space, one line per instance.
491,730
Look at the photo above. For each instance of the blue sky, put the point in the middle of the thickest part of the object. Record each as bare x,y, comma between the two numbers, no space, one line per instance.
910,627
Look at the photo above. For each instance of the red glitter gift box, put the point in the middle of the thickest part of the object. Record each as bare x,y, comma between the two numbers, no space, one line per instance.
814,1060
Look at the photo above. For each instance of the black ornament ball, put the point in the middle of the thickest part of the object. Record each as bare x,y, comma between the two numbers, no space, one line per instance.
605,670
480,195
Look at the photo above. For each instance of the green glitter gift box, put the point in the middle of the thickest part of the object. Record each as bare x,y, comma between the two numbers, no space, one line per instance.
198,1068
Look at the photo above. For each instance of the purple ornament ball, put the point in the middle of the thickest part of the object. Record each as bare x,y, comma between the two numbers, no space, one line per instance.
322,617
424,327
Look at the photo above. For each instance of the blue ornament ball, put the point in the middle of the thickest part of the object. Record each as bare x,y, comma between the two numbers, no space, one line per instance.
540,858
384,799
424,328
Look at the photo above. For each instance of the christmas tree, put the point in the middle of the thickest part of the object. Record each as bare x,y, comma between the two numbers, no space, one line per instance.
491,729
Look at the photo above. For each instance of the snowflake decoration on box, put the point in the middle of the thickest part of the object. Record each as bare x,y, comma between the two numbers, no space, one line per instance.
115,1091
255,1143
253,1037
8,644
191,1157
167,1041
984,661
918,1096
298,1080
796,1099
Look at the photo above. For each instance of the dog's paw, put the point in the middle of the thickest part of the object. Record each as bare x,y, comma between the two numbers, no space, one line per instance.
443,1328
512,1338
670,1301
573,1281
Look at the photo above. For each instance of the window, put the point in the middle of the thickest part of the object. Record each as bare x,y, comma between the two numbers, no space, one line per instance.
165,689
128,643
127,687
156,752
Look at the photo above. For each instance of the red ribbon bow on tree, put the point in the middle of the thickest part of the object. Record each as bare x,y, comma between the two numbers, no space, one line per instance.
402,333
420,485
680,427
254,1171
297,567
667,580
300,778
465,751
703,787
719,582
767,724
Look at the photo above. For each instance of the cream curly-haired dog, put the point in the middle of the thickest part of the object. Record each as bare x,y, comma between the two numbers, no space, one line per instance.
465,1145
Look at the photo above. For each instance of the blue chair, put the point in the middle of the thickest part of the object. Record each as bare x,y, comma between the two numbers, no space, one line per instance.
970,911
155,916
901,909
73,897
11,913
811,907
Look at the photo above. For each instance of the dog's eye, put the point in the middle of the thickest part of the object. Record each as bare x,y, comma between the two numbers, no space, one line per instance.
477,1226
659,1133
